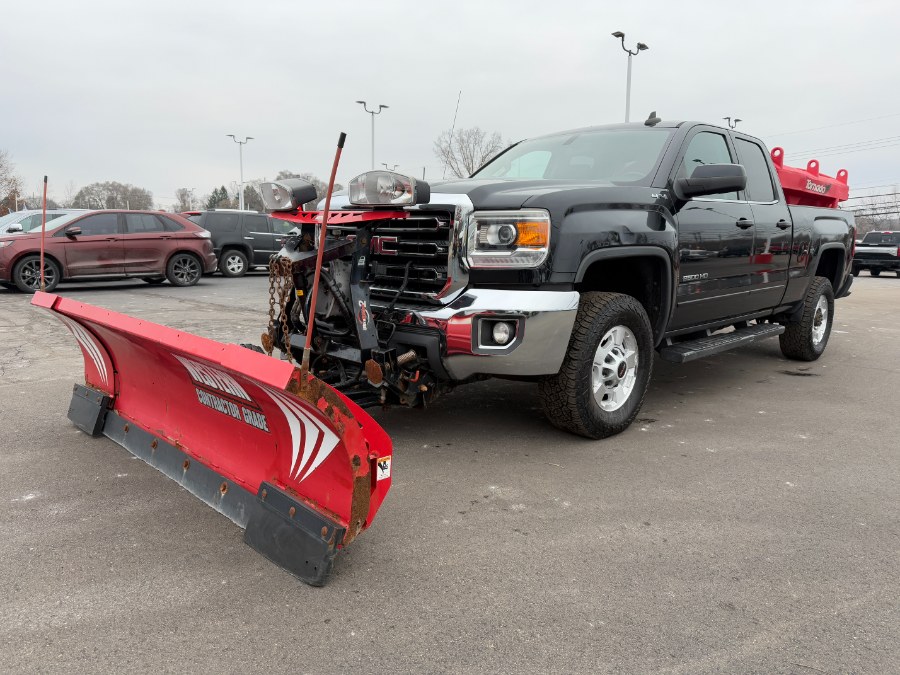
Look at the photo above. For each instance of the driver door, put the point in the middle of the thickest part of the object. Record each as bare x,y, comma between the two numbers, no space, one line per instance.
98,250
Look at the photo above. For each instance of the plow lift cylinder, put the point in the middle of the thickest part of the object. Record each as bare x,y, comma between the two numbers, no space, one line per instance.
301,468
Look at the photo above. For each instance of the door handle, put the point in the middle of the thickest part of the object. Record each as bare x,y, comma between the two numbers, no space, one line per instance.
782,224
744,223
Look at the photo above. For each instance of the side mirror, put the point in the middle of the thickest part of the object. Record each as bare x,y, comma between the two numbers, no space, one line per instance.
287,194
711,179
15,227
73,231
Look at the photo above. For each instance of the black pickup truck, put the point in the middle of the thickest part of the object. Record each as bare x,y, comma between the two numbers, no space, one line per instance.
878,252
571,260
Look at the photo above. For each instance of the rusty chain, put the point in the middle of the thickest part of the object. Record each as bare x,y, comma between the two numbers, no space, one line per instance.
281,287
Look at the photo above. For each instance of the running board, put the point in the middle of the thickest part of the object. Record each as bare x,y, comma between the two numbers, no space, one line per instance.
699,348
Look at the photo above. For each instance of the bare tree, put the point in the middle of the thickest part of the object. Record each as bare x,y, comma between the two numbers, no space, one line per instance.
881,212
185,200
112,195
10,184
466,150
69,195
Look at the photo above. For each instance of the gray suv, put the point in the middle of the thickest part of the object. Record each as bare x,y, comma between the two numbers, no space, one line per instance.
242,239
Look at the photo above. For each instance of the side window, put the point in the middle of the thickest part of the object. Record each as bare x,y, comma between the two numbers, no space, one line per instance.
257,224
142,223
759,179
706,147
172,225
221,222
31,222
281,226
101,223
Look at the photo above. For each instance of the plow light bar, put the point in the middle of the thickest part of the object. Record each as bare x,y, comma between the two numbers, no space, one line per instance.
386,188
287,194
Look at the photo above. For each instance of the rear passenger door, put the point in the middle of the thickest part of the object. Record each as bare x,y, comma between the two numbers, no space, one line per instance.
146,243
98,249
772,226
258,233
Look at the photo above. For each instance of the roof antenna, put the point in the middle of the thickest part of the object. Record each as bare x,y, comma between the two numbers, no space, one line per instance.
653,120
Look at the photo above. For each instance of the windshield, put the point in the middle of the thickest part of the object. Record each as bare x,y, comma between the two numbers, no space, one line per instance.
608,155
886,238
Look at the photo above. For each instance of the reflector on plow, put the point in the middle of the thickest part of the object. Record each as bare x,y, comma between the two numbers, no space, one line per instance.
298,465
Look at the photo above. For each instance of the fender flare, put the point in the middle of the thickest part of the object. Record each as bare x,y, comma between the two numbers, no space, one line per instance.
667,282
827,247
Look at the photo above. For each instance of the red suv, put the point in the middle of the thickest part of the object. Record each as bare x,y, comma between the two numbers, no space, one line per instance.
150,245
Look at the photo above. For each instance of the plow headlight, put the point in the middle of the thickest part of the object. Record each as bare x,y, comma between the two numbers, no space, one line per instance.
287,194
386,188
509,238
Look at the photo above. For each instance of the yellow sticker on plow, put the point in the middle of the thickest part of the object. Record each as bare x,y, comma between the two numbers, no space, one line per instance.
384,468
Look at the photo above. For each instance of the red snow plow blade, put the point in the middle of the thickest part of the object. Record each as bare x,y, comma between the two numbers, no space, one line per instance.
298,465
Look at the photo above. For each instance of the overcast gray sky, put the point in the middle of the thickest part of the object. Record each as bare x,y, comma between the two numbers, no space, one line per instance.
145,92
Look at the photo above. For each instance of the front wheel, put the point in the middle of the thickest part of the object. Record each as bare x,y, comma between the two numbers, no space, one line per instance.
875,273
805,340
27,274
605,374
183,270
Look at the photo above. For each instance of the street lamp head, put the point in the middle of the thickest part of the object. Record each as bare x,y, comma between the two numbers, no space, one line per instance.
361,102
230,135
737,119
383,106
618,34
641,46
249,138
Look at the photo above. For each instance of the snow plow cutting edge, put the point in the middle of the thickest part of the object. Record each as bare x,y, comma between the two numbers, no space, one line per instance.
288,458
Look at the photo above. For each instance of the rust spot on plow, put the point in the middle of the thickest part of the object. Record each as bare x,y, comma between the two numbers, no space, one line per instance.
154,444
187,464
223,488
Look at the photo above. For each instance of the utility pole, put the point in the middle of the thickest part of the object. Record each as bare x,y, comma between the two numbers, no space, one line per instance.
373,113
241,145
638,49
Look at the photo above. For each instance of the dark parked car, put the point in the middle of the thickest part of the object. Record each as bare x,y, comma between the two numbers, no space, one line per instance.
241,239
149,245
25,221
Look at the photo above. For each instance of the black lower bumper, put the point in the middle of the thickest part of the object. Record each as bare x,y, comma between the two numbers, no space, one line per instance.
283,529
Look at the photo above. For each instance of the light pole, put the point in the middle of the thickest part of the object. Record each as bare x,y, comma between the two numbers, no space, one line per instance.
732,123
372,113
639,48
393,168
241,145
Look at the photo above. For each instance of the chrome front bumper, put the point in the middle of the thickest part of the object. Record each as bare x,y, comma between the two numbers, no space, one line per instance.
543,321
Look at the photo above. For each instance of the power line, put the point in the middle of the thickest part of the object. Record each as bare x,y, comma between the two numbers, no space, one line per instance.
883,194
832,126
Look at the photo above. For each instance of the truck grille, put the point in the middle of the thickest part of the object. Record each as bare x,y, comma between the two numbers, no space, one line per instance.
416,248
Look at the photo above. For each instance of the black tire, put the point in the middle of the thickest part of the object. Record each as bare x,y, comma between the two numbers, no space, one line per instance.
184,269
234,263
875,273
8,286
568,398
856,271
153,280
805,340
27,274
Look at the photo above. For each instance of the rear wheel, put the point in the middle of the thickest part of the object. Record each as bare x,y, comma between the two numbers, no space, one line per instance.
183,270
27,274
856,272
604,376
806,339
875,273
234,263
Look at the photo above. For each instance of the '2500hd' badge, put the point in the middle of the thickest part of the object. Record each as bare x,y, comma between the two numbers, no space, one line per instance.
695,277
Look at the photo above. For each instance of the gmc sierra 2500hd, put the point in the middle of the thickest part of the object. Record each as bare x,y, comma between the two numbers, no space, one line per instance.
567,260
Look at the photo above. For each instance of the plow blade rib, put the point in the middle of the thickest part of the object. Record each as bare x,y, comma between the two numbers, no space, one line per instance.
292,461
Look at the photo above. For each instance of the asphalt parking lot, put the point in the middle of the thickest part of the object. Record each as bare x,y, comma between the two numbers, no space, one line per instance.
749,521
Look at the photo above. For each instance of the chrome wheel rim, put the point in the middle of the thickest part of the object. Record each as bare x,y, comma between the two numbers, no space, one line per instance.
31,274
234,264
614,369
186,270
820,320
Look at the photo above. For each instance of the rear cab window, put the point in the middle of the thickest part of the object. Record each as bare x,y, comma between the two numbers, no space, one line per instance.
882,238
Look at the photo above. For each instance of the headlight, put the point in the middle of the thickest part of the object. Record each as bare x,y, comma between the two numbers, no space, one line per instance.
509,238
287,194
387,188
